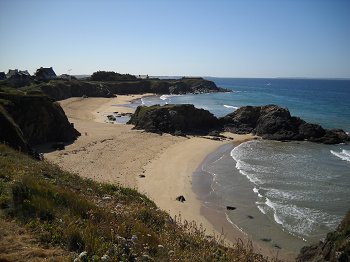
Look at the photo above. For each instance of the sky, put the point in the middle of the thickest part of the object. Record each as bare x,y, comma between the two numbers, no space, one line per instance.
218,38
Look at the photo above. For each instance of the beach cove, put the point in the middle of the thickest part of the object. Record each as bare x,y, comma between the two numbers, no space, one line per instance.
159,166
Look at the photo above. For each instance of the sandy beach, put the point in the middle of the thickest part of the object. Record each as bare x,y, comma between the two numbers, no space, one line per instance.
115,153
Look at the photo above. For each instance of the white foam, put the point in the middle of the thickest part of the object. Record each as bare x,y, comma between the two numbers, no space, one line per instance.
343,155
274,207
346,152
277,219
257,191
262,210
234,107
164,97
244,169
230,221
219,159
142,101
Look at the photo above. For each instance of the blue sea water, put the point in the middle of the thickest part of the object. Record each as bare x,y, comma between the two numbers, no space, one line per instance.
287,194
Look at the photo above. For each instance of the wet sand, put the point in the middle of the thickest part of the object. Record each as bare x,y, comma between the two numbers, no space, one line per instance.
114,153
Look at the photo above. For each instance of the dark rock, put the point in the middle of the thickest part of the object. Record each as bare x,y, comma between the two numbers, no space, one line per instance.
11,134
275,123
277,246
216,133
179,133
173,119
336,246
40,118
270,122
58,146
60,90
181,198
230,208
111,118
266,239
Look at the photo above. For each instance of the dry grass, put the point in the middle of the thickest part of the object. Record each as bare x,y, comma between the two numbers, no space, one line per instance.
19,244
54,212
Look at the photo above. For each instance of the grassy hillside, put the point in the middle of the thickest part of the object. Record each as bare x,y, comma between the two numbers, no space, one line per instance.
60,89
67,215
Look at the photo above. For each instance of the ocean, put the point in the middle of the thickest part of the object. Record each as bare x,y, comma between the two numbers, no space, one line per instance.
287,195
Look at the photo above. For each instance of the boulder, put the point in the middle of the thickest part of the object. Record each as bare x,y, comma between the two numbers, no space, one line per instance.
275,123
181,198
174,119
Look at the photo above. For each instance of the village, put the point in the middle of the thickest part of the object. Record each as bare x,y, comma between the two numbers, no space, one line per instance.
16,77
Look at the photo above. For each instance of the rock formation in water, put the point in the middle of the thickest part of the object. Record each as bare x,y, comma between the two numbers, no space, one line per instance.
270,122
275,123
173,119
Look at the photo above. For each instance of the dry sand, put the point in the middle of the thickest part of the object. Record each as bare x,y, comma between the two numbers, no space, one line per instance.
115,153
111,153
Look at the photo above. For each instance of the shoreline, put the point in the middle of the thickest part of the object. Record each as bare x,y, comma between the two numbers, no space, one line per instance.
165,180
214,206
114,153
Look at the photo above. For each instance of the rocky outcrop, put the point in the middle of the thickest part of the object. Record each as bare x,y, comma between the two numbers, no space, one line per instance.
11,134
59,90
204,86
174,119
336,246
62,89
180,86
275,123
39,118
270,122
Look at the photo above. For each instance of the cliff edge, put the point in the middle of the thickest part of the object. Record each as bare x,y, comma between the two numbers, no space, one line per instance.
336,246
33,119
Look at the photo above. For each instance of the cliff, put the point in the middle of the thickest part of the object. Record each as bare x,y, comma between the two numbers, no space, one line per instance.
63,89
336,246
11,134
270,122
32,119
60,89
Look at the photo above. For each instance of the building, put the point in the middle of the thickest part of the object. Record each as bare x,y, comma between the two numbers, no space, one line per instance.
2,76
48,73
17,77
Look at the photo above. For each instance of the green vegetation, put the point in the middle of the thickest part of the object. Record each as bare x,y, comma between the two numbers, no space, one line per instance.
77,214
339,237
142,110
111,76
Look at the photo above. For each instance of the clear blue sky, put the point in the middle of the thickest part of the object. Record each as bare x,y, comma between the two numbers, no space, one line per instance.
284,38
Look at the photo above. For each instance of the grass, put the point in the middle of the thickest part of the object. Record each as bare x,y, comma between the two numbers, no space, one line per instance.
142,110
339,237
68,214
